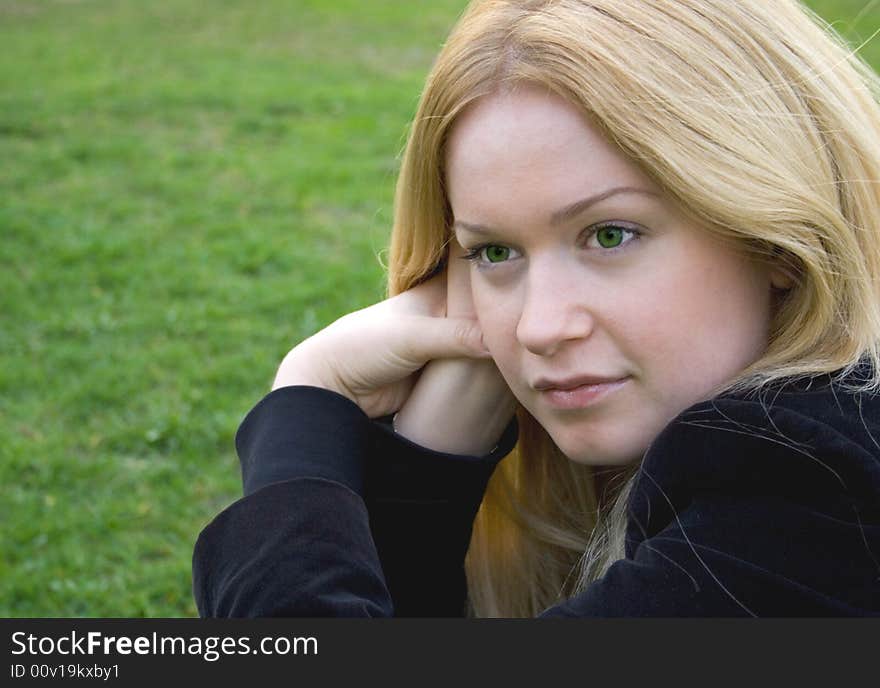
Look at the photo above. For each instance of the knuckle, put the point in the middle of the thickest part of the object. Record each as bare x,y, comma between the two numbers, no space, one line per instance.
463,332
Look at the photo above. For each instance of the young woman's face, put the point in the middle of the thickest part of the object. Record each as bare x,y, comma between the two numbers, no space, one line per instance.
585,273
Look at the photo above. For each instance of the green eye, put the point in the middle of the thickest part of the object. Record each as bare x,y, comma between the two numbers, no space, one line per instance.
609,237
497,254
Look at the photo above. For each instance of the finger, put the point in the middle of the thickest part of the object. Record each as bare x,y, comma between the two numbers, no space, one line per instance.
459,302
424,339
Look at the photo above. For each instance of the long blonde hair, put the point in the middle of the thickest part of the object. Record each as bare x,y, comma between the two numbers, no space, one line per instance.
758,121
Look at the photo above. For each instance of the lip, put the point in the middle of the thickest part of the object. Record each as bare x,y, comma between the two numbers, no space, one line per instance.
543,383
580,396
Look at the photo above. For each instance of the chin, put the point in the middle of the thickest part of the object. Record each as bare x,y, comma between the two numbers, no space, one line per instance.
598,451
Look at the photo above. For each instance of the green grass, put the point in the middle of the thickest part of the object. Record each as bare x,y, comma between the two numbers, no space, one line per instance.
189,189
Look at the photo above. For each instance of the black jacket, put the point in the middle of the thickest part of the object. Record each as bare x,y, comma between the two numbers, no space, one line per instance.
742,507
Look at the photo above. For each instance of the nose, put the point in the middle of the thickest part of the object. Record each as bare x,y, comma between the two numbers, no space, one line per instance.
555,310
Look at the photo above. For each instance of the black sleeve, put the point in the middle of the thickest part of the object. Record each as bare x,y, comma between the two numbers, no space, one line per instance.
341,517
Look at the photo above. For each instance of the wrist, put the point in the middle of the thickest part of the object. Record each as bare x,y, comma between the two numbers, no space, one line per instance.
458,406
296,370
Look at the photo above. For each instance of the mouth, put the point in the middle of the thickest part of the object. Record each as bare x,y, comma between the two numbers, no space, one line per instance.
580,395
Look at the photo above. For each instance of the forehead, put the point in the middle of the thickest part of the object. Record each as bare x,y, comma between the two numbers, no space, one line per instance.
528,142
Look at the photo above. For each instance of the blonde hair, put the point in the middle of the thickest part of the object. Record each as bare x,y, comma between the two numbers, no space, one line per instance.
758,121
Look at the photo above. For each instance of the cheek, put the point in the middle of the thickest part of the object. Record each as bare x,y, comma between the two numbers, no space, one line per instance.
702,325
498,314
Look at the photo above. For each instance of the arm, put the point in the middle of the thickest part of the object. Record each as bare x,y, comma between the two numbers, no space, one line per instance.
300,542
422,505
458,405
278,550
261,557
289,439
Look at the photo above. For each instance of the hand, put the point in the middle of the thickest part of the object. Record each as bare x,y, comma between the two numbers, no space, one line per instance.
372,355
458,406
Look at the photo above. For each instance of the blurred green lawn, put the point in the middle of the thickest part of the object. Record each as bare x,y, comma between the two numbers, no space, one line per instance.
188,190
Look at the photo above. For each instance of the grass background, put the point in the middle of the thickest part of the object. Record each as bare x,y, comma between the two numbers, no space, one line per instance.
188,190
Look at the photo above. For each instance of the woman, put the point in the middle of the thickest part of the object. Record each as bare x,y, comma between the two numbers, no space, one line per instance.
667,212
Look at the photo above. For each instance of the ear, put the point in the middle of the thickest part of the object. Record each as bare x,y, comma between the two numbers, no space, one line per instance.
781,278
781,267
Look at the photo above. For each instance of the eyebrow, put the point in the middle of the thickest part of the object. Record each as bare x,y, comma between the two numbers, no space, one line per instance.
568,212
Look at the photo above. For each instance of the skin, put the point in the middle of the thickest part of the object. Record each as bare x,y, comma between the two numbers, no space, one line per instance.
394,339
418,355
670,308
458,405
